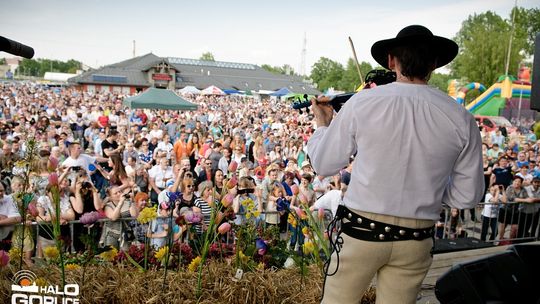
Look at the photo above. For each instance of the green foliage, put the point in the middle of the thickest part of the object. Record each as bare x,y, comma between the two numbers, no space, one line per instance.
283,70
38,67
327,73
440,81
207,57
483,41
2,61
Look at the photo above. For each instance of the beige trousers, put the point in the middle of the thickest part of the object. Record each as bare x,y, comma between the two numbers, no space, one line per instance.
400,266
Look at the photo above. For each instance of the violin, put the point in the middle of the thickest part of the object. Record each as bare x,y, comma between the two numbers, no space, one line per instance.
374,78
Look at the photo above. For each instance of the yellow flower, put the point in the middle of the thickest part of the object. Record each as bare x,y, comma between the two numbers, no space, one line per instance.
72,266
256,213
14,254
260,267
162,253
308,247
291,220
51,253
147,215
194,265
41,282
305,231
109,255
243,258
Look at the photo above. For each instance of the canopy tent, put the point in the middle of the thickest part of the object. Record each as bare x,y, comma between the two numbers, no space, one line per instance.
190,90
231,91
159,99
281,92
298,96
212,90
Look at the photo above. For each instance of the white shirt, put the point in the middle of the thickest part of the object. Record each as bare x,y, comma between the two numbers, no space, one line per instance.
416,148
491,209
329,201
159,175
83,161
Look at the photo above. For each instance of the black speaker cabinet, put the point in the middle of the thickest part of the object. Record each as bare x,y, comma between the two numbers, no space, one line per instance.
535,84
501,278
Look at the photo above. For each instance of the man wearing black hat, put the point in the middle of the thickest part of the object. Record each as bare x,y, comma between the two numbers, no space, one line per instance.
416,149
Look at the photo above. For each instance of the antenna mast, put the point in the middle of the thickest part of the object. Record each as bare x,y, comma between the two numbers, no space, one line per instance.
303,57
134,49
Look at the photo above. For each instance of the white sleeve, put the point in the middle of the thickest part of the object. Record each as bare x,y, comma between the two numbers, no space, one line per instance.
466,185
330,148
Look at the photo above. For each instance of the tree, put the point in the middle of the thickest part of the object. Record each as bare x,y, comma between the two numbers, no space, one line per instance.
2,61
327,73
283,70
38,67
350,80
483,41
207,57
440,81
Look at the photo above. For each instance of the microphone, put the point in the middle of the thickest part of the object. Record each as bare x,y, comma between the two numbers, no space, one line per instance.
15,48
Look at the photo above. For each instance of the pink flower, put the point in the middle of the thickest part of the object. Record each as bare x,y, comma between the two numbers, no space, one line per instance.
232,182
4,258
52,164
89,218
53,179
295,189
303,199
192,217
227,200
320,213
32,209
233,166
301,213
224,228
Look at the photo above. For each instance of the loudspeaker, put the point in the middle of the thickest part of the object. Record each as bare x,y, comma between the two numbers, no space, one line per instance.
459,244
501,278
535,84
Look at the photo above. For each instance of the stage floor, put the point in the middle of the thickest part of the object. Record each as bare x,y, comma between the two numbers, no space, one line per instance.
443,261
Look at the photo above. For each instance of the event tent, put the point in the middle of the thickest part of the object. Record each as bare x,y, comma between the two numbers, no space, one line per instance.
190,89
159,99
281,92
212,90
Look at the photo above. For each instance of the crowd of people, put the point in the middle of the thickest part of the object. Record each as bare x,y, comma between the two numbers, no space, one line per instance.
511,207
117,161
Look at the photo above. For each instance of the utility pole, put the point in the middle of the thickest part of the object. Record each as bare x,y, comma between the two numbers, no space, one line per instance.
303,57
510,40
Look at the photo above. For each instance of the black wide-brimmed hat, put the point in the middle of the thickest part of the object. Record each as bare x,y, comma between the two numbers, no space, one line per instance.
445,49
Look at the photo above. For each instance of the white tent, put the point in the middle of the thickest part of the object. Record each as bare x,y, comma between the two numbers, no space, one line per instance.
212,90
190,90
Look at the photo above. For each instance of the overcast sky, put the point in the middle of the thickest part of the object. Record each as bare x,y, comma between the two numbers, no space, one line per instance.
101,32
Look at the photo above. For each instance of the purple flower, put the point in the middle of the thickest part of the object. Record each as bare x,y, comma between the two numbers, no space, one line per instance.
89,218
174,196
261,246
193,217
4,258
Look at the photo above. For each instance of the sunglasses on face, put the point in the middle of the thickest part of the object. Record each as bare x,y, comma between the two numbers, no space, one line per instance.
190,186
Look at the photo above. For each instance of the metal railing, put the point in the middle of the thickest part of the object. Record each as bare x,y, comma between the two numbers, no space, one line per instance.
521,223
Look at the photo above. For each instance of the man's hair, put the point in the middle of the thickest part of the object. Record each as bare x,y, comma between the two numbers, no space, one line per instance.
416,60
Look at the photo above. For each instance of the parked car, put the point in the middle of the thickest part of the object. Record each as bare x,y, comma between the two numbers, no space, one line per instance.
492,123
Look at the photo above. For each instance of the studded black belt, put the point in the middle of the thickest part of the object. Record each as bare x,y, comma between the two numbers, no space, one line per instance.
362,228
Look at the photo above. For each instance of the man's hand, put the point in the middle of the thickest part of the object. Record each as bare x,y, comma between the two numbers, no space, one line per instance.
322,110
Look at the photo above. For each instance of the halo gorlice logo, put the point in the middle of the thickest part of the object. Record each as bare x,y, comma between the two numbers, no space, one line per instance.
25,291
